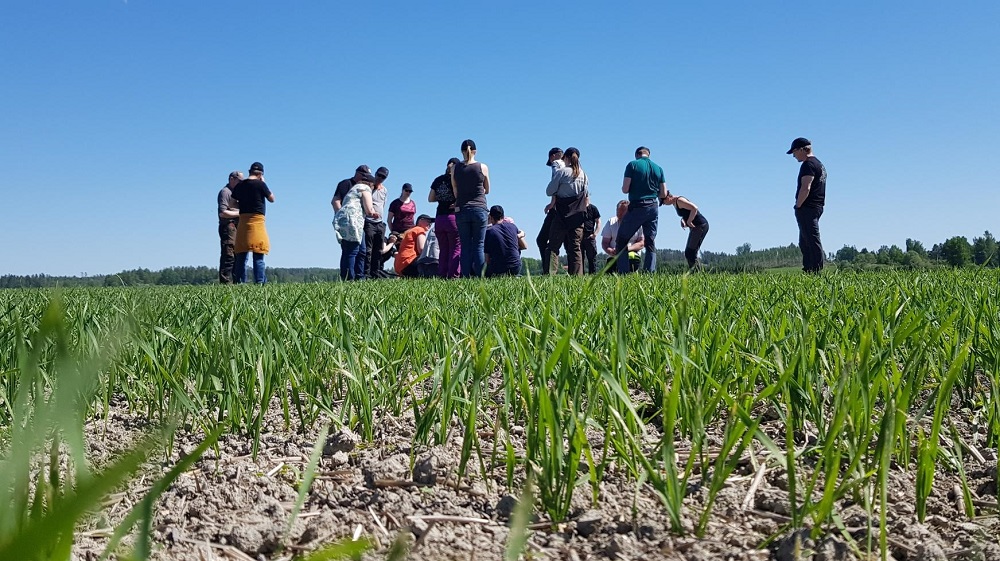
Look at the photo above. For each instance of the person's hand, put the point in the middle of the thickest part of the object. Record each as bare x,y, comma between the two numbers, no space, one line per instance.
548,207
683,224
612,252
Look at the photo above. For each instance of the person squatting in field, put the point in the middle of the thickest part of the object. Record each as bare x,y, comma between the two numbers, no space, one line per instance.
251,234
609,241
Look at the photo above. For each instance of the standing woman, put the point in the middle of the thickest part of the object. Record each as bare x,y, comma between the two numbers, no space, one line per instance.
470,183
690,218
251,234
445,227
568,190
349,225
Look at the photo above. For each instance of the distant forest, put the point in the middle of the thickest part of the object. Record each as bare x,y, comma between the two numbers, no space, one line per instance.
953,252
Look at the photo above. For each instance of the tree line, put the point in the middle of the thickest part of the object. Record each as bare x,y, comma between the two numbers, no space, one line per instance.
953,252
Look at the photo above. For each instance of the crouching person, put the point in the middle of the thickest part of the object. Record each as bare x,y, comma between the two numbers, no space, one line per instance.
427,263
503,245
411,245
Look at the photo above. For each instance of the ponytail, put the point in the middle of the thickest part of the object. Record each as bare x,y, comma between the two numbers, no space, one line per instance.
572,159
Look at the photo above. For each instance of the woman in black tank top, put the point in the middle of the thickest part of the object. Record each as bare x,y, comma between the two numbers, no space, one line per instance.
470,183
693,219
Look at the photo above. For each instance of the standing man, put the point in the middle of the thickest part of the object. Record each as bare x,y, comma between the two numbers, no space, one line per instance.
645,186
344,186
591,224
251,234
229,216
810,196
375,228
555,162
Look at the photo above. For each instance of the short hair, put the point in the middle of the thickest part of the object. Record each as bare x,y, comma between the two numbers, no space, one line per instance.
640,150
622,202
235,174
496,213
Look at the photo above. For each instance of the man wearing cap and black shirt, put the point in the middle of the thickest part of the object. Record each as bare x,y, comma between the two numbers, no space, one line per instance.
556,163
810,196
375,227
411,245
344,186
229,216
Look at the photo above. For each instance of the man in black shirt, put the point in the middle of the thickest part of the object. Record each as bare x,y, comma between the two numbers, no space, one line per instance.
591,224
344,186
810,196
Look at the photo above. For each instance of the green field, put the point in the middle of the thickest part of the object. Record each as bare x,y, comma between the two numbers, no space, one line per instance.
666,378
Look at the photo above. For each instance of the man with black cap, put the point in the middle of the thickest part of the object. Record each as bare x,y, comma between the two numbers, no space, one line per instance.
229,216
411,246
556,163
810,196
344,186
375,227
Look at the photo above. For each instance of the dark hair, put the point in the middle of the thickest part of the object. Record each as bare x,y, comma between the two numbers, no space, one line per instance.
468,147
640,150
496,213
572,158
235,174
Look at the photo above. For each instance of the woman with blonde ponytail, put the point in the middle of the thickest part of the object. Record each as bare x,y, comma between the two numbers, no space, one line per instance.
470,182
569,192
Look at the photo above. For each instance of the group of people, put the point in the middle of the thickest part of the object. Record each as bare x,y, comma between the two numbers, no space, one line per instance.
468,238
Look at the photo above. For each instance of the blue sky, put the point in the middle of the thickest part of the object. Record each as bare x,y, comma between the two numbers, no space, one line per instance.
121,120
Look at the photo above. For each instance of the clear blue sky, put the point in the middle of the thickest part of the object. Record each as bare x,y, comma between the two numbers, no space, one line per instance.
121,120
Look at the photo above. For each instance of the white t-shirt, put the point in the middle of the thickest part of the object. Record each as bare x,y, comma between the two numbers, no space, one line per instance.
610,231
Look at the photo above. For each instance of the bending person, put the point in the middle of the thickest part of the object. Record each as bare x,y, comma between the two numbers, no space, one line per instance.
690,219
349,225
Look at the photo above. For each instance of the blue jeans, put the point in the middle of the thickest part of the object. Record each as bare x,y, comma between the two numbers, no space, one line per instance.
471,221
645,215
259,276
349,252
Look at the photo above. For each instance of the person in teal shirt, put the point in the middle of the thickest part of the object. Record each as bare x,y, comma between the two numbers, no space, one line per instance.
645,186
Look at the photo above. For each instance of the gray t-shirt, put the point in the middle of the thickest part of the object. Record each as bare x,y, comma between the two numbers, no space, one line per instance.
378,203
226,202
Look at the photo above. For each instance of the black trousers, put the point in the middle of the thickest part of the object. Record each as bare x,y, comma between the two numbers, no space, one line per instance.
696,236
809,242
589,247
227,258
542,241
375,243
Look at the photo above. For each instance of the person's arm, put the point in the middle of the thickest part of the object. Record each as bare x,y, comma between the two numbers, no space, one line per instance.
432,198
606,242
551,205
597,226
454,186
553,186
486,180
638,244
366,203
388,219
663,190
270,197
421,240
684,203
805,185
626,184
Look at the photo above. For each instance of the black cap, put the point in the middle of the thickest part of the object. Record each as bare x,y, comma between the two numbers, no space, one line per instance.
799,143
408,187
363,169
553,152
425,217
382,172
468,143
257,166
368,177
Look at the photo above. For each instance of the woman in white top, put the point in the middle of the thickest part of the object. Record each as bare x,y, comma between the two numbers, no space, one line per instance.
568,190
349,224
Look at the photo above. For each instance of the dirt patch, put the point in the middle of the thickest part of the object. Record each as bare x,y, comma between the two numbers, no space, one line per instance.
232,505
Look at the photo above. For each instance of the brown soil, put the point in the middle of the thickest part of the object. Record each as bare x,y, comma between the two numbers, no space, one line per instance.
235,506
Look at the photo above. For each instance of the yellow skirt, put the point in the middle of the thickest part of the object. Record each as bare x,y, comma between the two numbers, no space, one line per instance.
251,235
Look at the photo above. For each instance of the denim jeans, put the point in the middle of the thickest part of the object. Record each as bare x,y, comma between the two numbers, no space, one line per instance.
259,275
471,222
348,259
645,215
240,268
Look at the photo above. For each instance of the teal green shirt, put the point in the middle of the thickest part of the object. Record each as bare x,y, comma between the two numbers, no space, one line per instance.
646,180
